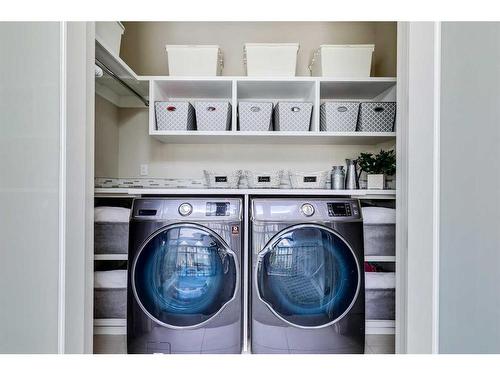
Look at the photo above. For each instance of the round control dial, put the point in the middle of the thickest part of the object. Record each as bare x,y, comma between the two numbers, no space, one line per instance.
185,209
307,209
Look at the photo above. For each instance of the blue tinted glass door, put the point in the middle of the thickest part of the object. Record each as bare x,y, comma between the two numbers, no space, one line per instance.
308,276
184,275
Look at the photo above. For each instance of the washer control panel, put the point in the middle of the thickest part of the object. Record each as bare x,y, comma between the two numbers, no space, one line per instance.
342,209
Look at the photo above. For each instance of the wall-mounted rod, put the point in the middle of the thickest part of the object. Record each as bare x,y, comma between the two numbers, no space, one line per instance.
122,82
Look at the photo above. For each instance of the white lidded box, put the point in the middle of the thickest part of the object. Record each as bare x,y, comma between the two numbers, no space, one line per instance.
308,180
255,116
110,33
222,179
342,60
194,60
271,59
174,116
213,115
259,179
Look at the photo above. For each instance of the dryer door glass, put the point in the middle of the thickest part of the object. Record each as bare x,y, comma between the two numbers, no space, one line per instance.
184,275
308,276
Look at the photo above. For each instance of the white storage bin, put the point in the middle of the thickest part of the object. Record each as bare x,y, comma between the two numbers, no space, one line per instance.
293,116
377,117
339,116
194,60
308,180
271,59
213,115
111,35
222,179
342,60
174,116
257,180
255,116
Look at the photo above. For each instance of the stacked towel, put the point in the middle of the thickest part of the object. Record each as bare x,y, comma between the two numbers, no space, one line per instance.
379,215
116,279
111,214
380,280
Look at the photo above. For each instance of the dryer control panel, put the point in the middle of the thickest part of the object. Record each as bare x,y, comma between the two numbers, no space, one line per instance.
305,210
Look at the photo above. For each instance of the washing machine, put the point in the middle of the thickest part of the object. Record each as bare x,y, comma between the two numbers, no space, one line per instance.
307,276
184,279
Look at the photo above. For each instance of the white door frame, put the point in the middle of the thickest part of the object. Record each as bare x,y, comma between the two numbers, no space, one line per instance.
417,236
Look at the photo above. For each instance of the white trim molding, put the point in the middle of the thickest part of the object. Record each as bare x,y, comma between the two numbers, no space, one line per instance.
436,188
62,194
419,87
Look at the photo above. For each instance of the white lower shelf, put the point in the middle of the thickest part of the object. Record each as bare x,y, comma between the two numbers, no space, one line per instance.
270,137
110,326
380,258
380,327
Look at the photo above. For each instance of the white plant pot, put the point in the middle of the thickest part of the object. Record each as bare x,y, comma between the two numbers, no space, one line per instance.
375,181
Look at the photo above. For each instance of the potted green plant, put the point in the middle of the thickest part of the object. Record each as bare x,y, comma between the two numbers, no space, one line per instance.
377,167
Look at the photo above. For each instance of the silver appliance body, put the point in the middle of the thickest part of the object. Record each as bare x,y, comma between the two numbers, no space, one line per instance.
184,279
307,276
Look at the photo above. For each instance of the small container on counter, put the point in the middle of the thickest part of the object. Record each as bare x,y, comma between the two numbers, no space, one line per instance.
338,177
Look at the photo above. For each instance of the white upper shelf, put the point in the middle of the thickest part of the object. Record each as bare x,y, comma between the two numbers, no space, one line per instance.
110,88
273,137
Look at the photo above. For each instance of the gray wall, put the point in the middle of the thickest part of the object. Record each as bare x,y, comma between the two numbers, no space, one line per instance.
469,296
44,189
29,187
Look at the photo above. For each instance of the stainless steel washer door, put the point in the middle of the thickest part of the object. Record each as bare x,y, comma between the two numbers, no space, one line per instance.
184,275
308,276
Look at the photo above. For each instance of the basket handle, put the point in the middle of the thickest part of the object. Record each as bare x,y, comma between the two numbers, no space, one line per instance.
220,57
315,56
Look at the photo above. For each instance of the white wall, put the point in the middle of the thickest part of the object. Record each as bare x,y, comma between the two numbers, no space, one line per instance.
469,297
149,39
106,138
137,147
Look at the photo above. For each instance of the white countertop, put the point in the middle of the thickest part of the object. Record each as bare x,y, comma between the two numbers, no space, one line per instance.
376,194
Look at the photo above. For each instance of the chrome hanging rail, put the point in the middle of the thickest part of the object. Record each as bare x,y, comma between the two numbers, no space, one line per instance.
122,82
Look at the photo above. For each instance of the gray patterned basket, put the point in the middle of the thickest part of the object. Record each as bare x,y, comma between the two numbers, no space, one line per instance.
255,116
293,116
174,116
377,117
339,116
213,115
